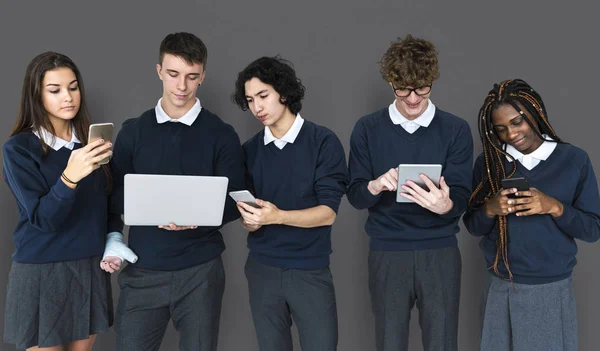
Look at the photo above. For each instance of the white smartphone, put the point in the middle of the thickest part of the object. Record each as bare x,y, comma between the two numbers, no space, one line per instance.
412,172
245,196
101,131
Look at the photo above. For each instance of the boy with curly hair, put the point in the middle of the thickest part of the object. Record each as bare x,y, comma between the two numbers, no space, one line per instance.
414,257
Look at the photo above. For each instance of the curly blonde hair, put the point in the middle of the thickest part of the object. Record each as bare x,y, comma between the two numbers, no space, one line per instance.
410,62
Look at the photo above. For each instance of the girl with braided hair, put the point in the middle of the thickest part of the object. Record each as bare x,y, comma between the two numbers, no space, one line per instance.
528,237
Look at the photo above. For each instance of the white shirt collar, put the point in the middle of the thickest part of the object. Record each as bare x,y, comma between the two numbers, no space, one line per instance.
289,137
531,160
187,119
55,142
423,120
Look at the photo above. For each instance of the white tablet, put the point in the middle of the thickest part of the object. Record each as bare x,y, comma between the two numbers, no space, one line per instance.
412,172
152,199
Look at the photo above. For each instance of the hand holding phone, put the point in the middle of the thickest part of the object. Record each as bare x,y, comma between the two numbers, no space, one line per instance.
245,196
101,131
519,183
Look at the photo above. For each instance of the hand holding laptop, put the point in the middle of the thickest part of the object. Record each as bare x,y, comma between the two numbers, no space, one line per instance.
174,227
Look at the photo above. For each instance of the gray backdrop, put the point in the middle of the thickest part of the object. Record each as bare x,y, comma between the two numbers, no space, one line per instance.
335,48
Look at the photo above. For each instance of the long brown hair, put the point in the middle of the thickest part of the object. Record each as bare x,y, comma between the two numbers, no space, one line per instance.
520,95
32,115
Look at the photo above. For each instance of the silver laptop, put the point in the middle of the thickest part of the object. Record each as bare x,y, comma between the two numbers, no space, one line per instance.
152,199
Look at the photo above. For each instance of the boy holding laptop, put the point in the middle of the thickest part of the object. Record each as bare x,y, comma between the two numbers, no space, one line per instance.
414,256
179,275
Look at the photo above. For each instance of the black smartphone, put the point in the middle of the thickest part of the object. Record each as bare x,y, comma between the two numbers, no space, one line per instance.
520,183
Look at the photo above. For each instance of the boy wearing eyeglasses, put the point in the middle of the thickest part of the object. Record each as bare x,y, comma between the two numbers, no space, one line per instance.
414,257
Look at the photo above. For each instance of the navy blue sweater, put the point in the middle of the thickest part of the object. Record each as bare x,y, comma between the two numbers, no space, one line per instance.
376,145
56,223
541,248
308,173
209,147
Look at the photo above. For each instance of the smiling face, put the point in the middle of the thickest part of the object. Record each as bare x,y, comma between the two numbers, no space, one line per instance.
60,95
180,83
512,128
413,105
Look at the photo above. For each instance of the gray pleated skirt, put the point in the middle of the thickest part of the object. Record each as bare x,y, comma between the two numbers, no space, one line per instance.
57,303
522,317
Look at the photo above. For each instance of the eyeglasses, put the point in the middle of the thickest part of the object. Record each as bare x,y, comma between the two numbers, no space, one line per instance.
404,92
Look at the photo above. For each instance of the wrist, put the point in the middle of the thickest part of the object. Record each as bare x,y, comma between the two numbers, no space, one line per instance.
69,176
449,206
68,181
557,209
487,212
281,217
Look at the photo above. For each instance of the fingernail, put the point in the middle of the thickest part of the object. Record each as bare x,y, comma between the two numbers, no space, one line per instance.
516,194
109,144
101,140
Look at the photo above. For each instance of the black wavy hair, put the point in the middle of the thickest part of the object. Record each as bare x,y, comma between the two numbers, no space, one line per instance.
276,72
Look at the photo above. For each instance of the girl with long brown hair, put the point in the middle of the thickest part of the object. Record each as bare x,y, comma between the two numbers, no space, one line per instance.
58,298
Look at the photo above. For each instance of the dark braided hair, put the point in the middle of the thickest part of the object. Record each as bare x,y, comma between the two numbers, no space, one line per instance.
520,95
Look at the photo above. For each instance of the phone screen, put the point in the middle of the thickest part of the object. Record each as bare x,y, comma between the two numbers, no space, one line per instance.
101,131
245,196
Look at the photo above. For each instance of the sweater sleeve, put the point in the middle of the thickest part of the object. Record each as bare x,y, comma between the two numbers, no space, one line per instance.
360,170
229,162
475,220
458,171
120,164
581,218
330,176
46,208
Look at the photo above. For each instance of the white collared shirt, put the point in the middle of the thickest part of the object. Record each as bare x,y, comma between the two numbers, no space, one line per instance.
55,142
289,137
531,160
411,126
187,119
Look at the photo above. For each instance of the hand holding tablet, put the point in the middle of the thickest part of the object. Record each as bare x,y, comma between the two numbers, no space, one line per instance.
424,185
412,173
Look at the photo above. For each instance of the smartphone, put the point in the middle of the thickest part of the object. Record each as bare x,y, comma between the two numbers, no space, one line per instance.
245,196
101,131
520,183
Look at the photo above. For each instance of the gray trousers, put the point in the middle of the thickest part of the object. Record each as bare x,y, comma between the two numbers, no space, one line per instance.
521,317
190,297
429,278
279,295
